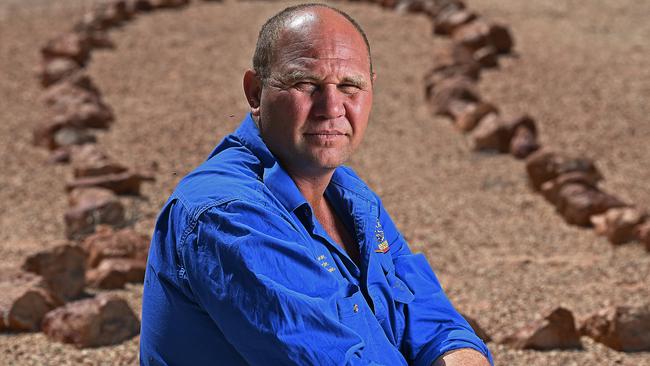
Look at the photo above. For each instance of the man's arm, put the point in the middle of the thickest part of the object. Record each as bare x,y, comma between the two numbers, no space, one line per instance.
462,357
433,327
265,292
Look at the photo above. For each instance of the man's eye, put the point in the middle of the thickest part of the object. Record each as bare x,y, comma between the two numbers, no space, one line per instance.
349,88
305,86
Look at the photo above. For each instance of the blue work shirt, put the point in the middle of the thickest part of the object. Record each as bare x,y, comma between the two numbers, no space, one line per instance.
240,272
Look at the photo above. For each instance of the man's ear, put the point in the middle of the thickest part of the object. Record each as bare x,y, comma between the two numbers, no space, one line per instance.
253,91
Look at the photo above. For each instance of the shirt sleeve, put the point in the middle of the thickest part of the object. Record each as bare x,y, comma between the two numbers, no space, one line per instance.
264,290
433,326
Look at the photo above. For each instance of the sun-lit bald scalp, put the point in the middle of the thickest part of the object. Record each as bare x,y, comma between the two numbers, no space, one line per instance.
291,17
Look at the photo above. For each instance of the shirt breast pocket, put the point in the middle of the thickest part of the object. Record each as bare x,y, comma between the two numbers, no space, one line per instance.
399,290
401,296
351,307
401,293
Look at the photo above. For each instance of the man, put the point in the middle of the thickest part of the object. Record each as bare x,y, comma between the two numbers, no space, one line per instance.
271,252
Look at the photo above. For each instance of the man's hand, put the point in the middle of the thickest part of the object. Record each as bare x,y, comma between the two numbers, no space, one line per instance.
462,357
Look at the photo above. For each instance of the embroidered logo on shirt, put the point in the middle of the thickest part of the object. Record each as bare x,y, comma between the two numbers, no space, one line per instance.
321,259
382,244
182,274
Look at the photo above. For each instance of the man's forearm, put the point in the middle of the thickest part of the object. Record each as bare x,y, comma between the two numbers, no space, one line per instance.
462,357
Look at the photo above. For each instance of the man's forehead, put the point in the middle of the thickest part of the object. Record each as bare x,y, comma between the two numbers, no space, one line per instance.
316,15
319,23
301,20
311,36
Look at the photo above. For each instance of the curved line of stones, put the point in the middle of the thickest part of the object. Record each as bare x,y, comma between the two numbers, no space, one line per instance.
569,183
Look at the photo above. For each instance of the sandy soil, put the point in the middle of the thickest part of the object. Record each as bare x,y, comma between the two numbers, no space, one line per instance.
503,255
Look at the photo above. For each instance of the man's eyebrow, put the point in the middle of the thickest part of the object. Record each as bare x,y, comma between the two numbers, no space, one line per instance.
297,75
357,80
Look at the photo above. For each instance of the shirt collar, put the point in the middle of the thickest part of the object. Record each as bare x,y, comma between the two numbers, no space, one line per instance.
278,181
249,136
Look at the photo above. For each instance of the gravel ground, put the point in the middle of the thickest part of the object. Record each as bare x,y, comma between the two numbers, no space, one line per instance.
503,255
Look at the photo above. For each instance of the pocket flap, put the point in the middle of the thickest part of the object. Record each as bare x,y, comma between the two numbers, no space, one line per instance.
401,293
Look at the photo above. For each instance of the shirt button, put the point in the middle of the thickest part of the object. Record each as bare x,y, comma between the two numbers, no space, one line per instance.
355,308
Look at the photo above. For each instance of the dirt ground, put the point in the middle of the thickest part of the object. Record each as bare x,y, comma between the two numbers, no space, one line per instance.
581,68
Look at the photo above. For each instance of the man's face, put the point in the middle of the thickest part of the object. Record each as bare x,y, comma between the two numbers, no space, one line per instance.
314,108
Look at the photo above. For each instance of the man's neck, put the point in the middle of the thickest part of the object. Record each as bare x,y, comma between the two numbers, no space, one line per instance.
313,186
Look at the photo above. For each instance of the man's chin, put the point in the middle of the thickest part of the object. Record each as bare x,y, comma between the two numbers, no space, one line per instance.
330,159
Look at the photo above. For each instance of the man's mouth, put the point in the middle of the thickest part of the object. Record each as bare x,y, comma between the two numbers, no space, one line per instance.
324,137
326,133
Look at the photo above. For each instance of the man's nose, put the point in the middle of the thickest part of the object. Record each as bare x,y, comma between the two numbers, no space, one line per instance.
329,102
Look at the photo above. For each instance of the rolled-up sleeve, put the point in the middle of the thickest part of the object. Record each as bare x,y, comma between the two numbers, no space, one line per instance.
263,289
433,326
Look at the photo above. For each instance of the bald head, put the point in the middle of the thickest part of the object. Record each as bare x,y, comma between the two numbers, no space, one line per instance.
296,19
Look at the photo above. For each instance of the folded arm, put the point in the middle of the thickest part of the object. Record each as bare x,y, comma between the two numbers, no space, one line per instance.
269,297
434,329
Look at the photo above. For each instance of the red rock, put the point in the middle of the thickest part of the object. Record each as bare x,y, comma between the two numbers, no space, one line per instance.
643,234
99,40
69,45
577,203
59,156
111,13
619,224
107,243
69,136
491,134
43,134
106,278
63,131
449,20
100,321
62,268
120,183
24,301
169,3
105,15
89,161
523,121
428,7
77,87
114,273
448,91
76,102
467,115
486,57
139,5
554,331
523,142
449,62
550,189
500,38
388,4
70,85
544,165
78,111
56,69
479,33
623,328
90,207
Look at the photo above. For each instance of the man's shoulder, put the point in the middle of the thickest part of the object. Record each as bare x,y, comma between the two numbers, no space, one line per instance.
346,178
232,175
